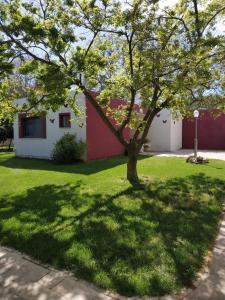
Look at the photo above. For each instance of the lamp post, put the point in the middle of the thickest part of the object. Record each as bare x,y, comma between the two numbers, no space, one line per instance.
196,115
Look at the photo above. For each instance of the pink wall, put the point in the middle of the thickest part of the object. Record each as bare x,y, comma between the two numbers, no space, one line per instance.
101,143
211,132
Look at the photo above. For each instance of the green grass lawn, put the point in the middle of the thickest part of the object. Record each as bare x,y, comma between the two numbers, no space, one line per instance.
88,219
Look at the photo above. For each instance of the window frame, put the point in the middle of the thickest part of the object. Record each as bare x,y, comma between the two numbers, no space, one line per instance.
22,118
61,115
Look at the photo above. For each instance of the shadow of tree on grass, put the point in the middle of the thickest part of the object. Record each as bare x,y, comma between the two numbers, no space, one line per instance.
88,168
136,242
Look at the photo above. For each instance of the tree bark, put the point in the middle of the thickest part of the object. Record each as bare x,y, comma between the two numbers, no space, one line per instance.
10,142
132,175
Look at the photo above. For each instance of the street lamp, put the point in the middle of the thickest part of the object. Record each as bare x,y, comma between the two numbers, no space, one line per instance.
196,115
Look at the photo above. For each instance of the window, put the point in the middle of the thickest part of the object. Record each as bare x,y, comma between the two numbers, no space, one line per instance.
32,127
64,120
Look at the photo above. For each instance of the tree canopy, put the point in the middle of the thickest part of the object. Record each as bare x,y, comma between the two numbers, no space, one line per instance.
156,57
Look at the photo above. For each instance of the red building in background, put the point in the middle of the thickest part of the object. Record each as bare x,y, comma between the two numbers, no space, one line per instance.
211,131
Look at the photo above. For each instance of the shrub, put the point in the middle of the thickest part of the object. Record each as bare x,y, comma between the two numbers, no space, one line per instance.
68,149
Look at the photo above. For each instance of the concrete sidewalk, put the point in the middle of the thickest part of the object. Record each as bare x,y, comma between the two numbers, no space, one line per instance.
24,279
186,152
212,284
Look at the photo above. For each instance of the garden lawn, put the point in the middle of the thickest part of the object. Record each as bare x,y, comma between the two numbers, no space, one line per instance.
87,218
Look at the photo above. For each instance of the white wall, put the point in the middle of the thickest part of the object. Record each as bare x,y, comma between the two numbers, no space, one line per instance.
42,148
176,135
164,134
159,132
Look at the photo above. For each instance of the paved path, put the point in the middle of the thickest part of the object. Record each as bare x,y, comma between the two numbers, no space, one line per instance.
212,285
23,279
185,153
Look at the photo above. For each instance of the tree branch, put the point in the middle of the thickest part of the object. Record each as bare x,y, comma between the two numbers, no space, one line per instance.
184,24
18,44
35,104
101,113
197,24
91,43
132,89
156,94
212,18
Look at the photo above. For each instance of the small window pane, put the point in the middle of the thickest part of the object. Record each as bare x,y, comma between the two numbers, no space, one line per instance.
64,120
33,128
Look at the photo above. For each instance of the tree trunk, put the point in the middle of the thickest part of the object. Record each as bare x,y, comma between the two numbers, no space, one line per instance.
132,175
10,142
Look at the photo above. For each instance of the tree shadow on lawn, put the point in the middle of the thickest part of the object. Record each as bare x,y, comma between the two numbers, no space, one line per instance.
136,242
5,150
87,168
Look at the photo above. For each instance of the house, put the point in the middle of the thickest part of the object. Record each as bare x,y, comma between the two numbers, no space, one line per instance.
36,136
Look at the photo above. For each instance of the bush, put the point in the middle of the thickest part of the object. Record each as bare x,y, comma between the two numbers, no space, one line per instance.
68,149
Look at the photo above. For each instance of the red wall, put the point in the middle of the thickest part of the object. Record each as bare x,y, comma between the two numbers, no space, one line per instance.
211,132
101,143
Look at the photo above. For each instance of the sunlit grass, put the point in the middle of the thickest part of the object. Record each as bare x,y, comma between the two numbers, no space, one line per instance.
88,219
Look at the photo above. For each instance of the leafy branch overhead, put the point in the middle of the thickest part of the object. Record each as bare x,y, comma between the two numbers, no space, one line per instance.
154,56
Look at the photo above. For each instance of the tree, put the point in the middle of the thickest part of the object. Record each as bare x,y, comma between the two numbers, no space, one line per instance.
151,56
5,56
6,132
